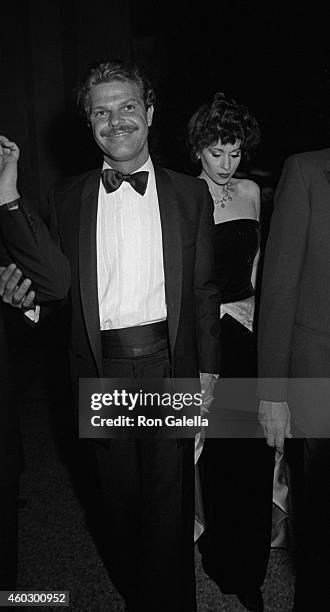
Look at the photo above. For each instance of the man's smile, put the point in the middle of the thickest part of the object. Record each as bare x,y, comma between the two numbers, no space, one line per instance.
118,134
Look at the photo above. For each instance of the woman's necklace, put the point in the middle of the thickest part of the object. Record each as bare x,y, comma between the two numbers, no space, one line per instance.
227,188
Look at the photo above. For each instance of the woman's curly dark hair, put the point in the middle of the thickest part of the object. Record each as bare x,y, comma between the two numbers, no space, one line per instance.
223,118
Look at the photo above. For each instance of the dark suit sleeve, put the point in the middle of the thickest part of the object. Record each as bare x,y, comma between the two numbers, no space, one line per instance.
206,290
29,244
282,271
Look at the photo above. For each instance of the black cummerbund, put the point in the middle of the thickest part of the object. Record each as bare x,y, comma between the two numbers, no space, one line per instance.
132,342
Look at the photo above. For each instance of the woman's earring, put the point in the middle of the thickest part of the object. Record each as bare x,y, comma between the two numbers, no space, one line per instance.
198,156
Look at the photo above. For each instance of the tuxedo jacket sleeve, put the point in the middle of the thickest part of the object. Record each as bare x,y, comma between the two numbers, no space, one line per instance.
197,338
281,283
207,290
27,242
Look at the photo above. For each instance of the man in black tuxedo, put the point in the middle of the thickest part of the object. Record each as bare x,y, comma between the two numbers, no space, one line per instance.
144,304
294,343
50,278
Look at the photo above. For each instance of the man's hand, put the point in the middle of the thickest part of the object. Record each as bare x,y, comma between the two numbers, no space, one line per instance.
9,154
274,417
207,388
11,292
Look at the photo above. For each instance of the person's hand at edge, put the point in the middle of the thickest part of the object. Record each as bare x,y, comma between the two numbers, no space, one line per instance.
13,291
9,155
275,420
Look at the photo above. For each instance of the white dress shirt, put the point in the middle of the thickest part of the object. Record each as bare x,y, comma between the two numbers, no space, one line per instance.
130,270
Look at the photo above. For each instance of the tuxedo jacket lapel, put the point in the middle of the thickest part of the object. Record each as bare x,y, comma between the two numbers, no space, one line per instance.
88,265
172,249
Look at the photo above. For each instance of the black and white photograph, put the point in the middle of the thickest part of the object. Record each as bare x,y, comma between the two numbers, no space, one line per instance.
164,235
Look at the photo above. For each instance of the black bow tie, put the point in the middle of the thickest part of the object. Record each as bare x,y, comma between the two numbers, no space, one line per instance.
112,179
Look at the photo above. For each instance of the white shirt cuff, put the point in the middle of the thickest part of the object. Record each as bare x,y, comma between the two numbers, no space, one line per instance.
33,315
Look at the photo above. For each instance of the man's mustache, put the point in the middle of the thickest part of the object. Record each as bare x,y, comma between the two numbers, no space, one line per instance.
108,132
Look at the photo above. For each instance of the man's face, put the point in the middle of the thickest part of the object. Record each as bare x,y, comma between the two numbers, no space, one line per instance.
120,123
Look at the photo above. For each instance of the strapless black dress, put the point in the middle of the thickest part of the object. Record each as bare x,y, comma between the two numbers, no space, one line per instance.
236,245
236,473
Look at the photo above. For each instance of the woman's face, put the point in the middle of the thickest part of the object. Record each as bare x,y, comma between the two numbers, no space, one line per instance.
220,161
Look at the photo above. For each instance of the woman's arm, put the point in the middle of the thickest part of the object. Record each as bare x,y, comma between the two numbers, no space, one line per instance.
256,195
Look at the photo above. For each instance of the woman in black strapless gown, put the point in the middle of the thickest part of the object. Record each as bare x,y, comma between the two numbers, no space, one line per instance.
236,470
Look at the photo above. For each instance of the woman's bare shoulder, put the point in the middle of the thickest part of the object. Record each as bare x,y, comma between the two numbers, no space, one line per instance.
248,188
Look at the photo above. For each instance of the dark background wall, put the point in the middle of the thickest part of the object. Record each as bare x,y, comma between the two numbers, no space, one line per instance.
272,56
45,46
